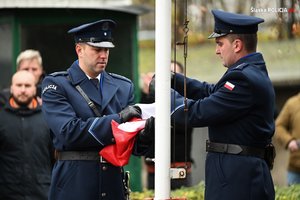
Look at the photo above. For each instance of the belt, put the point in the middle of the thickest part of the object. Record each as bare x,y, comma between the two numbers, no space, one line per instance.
235,149
80,155
187,165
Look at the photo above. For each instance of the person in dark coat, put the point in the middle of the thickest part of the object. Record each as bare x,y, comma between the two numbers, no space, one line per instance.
26,151
238,110
79,113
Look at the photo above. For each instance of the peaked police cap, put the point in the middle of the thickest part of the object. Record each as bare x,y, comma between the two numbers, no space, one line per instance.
226,23
97,34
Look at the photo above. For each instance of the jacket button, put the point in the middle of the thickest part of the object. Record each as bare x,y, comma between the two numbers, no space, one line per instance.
104,168
103,194
113,140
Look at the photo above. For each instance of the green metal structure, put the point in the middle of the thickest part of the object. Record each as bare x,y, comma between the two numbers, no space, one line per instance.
45,29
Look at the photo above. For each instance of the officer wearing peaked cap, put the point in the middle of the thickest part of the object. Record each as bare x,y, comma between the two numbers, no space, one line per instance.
97,34
238,111
226,23
79,106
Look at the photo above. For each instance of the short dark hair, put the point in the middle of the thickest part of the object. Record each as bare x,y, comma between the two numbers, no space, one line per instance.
250,40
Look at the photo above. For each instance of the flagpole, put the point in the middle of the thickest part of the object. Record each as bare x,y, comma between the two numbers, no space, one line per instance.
162,98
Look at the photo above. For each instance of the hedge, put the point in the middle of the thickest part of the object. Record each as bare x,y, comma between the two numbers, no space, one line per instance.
197,193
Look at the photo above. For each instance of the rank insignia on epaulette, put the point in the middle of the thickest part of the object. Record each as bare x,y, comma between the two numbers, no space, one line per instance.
60,73
240,66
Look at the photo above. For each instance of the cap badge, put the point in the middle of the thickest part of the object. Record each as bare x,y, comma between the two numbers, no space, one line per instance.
105,26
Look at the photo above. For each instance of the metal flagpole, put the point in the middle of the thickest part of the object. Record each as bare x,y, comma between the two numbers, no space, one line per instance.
162,98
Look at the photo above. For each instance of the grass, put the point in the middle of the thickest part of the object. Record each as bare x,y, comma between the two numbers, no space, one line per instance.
282,59
197,193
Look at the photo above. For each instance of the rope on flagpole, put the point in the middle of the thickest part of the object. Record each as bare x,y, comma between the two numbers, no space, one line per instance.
184,43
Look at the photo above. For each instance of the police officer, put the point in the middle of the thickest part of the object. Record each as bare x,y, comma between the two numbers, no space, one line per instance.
79,113
239,112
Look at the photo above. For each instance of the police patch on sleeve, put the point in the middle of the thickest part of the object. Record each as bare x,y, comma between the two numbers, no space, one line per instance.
50,86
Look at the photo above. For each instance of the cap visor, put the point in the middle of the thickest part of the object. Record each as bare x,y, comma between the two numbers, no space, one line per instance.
102,44
216,35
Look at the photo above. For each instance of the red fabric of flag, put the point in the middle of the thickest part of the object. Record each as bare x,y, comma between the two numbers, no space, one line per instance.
119,153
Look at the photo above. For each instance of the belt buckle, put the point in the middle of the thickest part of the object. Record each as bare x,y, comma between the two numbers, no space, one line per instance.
102,160
225,148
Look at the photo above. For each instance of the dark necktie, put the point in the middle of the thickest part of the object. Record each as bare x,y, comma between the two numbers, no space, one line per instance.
95,81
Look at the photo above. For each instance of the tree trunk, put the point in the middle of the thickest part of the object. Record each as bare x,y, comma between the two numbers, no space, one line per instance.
180,19
291,21
280,21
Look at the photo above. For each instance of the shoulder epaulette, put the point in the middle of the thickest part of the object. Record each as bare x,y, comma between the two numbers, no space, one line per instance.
120,77
61,73
241,66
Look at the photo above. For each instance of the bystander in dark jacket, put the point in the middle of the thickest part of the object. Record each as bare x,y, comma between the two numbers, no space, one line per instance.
25,144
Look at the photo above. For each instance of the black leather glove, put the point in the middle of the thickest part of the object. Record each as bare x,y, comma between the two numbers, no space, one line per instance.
152,88
130,112
147,135
172,79
152,85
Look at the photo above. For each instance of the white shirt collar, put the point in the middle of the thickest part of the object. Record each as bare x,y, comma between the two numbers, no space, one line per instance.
98,77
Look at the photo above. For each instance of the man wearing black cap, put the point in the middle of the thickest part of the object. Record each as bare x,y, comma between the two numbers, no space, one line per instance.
79,106
239,112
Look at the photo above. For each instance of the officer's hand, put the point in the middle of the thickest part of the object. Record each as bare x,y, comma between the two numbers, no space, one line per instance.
293,146
152,88
172,79
146,135
130,112
152,85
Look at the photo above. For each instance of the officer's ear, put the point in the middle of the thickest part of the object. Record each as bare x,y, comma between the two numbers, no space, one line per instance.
79,47
238,45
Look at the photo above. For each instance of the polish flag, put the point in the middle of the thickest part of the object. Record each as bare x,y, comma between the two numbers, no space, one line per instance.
119,153
229,85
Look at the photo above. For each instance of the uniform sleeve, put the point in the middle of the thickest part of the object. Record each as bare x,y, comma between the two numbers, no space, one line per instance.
97,127
71,129
131,94
196,89
232,98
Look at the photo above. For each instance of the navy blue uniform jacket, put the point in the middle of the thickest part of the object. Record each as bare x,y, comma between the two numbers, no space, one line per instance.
238,109
74,128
